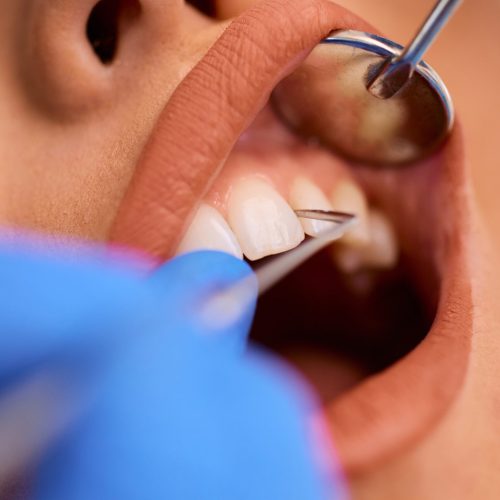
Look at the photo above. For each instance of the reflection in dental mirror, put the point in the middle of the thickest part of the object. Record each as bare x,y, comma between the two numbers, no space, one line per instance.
327,99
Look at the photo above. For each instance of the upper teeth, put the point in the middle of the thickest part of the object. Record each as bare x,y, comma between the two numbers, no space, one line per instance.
381,252
260,222
304,194
209,231
348,197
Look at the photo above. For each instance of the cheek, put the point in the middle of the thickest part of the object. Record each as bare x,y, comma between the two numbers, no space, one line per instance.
72,128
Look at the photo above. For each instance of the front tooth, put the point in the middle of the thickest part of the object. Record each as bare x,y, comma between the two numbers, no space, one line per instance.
262,220
306,195
209,231
348,197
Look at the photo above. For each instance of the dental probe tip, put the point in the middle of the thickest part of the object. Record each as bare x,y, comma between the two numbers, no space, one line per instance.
273,272
227,306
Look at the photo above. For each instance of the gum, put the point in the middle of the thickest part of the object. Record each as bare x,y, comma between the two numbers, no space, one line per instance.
269,151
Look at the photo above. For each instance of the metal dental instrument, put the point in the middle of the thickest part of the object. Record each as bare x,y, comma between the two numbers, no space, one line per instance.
271,273
226,306
370,99
396,72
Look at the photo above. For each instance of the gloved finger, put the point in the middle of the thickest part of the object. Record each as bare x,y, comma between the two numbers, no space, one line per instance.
197,273
67,322
61,319
176,421
192,284
48,305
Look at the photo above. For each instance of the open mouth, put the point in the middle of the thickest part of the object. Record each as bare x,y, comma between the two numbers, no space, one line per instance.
380,323
360,312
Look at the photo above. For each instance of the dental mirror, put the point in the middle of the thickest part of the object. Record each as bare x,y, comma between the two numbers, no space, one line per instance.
368,98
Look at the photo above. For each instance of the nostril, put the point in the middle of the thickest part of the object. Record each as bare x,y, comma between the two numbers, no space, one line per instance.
205,6
107,23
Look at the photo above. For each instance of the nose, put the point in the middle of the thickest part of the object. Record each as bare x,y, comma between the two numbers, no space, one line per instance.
79,56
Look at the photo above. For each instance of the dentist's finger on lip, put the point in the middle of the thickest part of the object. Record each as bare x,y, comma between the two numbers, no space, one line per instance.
211,108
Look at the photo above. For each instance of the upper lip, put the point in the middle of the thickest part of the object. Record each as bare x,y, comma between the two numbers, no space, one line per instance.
196,132
211,108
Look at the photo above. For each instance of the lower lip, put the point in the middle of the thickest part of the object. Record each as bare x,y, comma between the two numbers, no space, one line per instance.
391,410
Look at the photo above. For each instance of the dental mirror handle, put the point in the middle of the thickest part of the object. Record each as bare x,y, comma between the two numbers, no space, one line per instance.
395,72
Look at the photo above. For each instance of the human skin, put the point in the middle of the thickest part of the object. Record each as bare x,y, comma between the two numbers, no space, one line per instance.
77,158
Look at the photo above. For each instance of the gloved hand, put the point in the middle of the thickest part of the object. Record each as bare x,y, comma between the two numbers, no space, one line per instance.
131,397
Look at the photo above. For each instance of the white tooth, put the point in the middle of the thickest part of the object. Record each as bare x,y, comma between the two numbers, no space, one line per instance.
262,220
348,197
382,251
209,231
306,195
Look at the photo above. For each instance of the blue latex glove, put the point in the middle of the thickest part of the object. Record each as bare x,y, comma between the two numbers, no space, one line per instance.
155,405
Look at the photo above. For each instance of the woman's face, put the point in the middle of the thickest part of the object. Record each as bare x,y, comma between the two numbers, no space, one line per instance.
147,123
